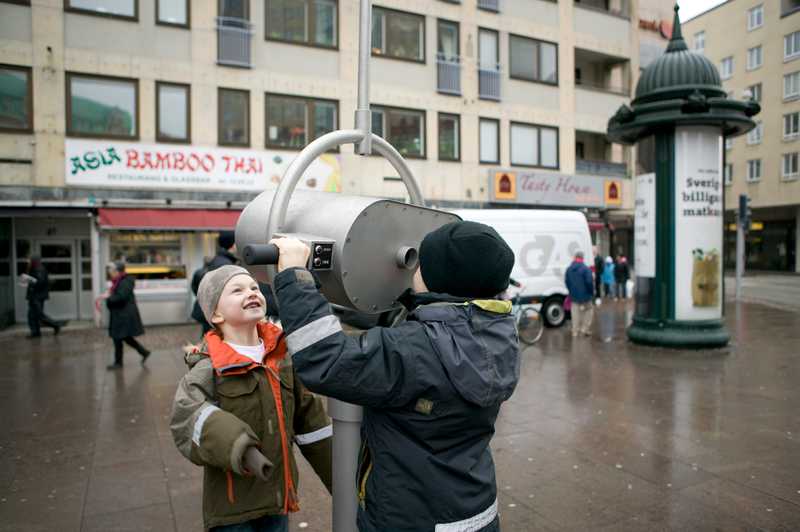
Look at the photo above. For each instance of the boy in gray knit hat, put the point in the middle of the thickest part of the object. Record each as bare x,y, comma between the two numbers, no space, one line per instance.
240,407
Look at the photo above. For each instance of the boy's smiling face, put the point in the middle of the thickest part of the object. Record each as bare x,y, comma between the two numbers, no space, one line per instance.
241,303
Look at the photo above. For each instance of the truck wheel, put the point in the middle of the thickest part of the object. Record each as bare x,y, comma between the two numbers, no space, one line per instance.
553,312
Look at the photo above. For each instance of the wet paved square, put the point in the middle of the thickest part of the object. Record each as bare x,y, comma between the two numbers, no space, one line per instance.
600,434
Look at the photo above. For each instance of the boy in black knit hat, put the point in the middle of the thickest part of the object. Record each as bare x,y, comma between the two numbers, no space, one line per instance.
431,387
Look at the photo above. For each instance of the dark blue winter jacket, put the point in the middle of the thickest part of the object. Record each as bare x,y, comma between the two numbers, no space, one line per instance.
431,389
579,282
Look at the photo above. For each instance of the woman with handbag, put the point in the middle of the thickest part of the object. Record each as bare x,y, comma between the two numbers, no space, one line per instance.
124,320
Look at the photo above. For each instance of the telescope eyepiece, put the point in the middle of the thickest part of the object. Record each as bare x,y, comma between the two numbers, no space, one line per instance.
407,258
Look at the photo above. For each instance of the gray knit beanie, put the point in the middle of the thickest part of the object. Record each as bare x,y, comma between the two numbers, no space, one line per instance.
210,289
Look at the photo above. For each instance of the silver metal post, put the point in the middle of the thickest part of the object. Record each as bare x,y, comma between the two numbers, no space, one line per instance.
363,118
739,258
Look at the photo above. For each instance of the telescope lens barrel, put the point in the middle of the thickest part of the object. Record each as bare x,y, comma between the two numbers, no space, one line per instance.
255,254
407,258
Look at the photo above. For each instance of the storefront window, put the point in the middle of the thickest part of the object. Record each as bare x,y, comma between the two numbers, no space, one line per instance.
149,255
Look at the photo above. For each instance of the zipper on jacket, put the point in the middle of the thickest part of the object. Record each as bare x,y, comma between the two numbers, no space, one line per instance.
229,476
290,501
364,469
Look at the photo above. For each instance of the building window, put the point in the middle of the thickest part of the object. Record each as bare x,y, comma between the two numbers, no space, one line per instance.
16,99
311,22
728,144
173,112
755,17
790,170
234,9
489,140
172,13
233,117
148,255
791,126
754,58
533,145
449,137
755,92
403,128
726,68
293,122
128,9
398,35
700,42
791,85
755,135
754,170
728,174
791,46
103,107
533,60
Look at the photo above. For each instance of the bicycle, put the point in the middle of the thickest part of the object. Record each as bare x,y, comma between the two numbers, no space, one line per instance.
530,325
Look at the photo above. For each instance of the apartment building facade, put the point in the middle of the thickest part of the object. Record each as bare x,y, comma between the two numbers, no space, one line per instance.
763,60
137,129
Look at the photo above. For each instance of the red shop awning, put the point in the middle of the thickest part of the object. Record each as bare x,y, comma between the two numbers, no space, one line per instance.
168,219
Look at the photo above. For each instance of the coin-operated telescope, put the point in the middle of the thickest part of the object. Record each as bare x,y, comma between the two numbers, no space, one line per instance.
364,251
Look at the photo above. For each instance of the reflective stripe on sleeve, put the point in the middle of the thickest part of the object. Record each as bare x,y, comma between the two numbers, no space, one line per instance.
470,524
201,419
313,437
311,333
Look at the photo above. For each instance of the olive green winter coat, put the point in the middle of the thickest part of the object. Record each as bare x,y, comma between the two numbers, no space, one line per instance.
227,403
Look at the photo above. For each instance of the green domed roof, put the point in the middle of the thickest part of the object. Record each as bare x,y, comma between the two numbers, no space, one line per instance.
678,72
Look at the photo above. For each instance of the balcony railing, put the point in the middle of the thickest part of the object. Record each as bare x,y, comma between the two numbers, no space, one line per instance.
490,5
622,91
233,42
489,83
449,74
607,168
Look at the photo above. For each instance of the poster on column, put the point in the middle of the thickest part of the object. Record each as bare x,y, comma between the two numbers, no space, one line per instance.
698,223
644,226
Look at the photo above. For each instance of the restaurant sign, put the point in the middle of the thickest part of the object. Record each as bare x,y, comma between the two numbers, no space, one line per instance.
558,190
98,163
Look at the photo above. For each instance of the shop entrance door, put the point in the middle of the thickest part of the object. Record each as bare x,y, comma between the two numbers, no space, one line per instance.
59,257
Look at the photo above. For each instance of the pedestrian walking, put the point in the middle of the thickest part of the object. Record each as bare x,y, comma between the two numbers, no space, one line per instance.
621,275
240,408
37,292
599,265
579,284
431,386
124,321
608,277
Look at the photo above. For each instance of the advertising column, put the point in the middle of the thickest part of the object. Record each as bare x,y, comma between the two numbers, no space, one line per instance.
698,224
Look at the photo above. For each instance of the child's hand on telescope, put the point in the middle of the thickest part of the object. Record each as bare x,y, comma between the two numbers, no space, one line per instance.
293,253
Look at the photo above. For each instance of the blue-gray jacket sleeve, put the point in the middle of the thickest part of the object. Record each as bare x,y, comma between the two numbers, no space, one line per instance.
374,369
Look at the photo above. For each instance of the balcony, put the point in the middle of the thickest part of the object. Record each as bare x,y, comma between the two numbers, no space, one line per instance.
596,156
489,5
489,83
604,168
233,42
789,6
448,75
619,8
602,72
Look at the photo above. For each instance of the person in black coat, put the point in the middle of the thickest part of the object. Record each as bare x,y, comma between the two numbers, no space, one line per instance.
226,247
599,265
621,276
124,320
37,293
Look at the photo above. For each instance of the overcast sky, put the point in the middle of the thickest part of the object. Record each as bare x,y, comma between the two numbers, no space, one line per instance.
690,8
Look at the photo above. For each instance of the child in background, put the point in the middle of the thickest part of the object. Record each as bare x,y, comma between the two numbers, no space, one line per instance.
239,408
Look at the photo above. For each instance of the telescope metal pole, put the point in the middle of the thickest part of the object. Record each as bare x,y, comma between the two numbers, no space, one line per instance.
363,119
346,417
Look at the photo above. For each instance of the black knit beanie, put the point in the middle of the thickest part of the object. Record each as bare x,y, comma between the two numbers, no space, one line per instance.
465,259
226,239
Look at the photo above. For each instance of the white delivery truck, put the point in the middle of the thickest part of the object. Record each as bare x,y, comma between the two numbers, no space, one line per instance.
544,243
